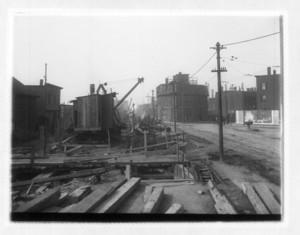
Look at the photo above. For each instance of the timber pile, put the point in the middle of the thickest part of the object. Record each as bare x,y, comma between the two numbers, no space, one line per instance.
263,200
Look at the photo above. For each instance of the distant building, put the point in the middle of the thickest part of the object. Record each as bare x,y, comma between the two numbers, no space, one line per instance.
52,104
143,110
24,113
190,99
268,90
233,100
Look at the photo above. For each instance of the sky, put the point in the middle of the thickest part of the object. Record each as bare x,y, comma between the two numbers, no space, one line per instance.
84,50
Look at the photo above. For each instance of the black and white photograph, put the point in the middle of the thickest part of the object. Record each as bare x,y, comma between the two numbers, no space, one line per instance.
147,116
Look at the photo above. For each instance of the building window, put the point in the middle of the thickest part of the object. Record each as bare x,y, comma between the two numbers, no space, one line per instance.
264,86
263,98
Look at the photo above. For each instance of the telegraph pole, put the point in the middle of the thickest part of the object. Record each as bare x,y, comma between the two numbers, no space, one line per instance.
153,104
218,48
45,128
174,106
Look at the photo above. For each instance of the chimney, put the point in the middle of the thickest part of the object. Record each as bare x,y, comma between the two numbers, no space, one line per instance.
41,82
212,93
92,89
274,72
167,81
235,88
242,86
269,70
225,87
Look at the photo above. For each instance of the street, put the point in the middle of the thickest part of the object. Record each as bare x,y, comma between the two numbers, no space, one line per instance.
259,149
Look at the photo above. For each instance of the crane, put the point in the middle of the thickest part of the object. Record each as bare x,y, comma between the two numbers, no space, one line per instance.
140,80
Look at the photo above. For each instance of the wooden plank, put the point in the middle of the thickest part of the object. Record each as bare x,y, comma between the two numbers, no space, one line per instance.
154,201
48,199
256,202
62,177
90,202
267,197
147,193
119,196
176,208
73,149
43,176
223,205
79,194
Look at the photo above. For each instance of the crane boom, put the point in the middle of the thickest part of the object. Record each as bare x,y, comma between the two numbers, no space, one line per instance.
140,80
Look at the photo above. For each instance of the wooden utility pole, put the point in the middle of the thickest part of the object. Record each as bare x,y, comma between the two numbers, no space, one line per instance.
153,104
218,48
174,106
45,106
281,69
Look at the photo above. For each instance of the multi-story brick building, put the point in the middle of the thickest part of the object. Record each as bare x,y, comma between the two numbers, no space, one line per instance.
233,100
183,99
268,90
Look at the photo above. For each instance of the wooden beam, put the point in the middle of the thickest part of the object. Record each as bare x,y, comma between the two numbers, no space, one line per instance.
154,201
78,194
119,196
90,202
42,202
147,193
267,197
61,177
222,203
176,208
73,149
256,202
149,162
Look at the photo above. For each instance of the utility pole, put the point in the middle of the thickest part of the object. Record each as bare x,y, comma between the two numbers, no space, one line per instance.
218,48
153,104
174,106
45,106
281,69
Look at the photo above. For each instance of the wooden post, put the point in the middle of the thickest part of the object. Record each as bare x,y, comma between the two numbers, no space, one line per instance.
166,138
145,141
128,171
177,148
108,137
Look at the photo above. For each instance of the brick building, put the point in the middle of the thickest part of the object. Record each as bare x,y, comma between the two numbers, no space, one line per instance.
233,100
189,100
268,90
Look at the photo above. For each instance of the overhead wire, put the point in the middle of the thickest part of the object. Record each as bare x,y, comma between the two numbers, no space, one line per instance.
252,39
203,65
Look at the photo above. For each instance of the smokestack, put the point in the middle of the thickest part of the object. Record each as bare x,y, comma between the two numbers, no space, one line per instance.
167,81
41,82
92,89
212,93
274,72
269,70
242,86
225,87
235,88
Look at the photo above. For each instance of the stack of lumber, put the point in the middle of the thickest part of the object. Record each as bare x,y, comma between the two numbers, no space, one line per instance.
262,198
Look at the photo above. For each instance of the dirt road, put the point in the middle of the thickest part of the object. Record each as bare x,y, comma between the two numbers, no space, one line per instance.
258,149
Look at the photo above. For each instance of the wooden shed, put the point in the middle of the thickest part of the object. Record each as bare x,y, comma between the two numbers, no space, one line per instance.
94,112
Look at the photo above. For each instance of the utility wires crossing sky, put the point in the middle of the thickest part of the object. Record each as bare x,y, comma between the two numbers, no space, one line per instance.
252,39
